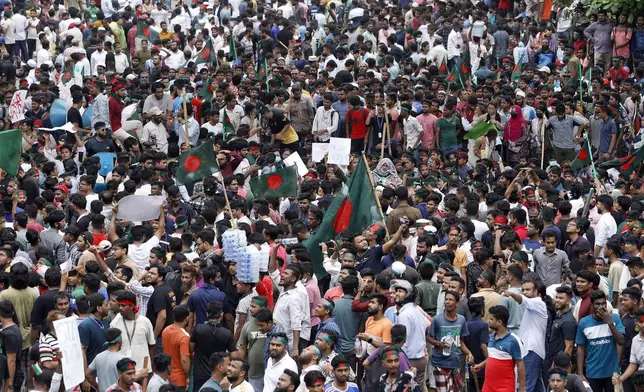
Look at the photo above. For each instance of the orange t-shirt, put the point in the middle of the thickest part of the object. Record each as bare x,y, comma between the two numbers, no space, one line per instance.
380,328
176,342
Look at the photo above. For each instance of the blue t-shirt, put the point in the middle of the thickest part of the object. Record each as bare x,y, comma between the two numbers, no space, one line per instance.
351,387
92,336
445,330
601,348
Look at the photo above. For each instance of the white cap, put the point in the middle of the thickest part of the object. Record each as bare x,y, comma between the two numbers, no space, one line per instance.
544,69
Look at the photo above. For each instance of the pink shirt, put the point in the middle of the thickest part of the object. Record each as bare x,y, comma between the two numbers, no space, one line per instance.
622,36
428,122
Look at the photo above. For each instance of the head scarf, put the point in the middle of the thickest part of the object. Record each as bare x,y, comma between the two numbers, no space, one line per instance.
514,127
385,174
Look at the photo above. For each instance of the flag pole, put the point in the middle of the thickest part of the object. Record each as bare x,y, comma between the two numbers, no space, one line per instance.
382,144
592,161
581,85
387,128
543,139
230,211
185,117
373,190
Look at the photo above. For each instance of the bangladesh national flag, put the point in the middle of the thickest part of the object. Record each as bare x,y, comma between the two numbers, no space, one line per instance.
451,76
465,70
480,129
282,183
516,72
353,209
206,90
10,147
583,158
229,129
67,75
206,54
197,163
627,164
144,31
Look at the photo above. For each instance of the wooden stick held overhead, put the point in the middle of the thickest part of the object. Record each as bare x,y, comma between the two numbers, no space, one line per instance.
373,189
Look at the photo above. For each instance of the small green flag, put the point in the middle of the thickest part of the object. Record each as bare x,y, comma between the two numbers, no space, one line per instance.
229,129
206,54
197,163
516,72
206,90
10,148
479,130
583,158
144,31
282,183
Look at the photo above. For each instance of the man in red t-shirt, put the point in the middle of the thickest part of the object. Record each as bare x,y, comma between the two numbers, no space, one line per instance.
358,121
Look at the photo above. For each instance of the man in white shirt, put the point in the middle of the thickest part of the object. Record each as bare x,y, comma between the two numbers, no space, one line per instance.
278,362
326,120
9,29
98,58
175,59
606,226
161,372
455,43
21,34
120,60
236,374
154,133
213,125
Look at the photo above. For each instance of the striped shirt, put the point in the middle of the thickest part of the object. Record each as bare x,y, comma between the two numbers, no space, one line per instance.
47,347
499,370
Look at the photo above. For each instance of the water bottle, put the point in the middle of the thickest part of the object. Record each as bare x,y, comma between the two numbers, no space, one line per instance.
467,372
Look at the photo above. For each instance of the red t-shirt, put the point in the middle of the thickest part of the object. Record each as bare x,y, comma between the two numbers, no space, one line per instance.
358,119
116,108
265,289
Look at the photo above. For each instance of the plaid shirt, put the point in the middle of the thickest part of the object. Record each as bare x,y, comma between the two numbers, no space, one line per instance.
143,294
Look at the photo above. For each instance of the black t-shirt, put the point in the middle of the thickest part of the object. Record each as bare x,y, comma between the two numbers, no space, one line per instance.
83,223
629,326
563,328
12,344
209,339
278,122
94,146
162,298
43,305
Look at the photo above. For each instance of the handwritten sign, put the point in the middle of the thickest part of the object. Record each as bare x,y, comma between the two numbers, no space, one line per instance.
294,159
70,346
339,151
16,112
319,150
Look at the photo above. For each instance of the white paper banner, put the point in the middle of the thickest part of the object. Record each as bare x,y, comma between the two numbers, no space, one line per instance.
16,112
339,151
294,159
70,346
139,208
69,127
319,151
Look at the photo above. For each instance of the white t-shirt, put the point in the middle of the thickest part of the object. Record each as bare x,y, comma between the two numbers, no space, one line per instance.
9,27
136,336
21,26
141,254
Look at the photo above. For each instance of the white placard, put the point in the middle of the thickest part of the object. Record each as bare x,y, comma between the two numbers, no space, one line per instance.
70,346
16,112
139,208
319,150
69,127
294,159
339,151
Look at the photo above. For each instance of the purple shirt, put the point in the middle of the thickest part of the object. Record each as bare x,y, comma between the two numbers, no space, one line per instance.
600,34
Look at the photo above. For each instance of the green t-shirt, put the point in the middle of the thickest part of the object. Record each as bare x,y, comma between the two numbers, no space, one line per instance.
255,342
448,131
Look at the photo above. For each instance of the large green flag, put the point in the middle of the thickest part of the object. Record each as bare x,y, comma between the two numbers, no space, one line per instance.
353,209
10,147
206,90
480,129
627,164
206,54
197,163
229,129
583,158
281,183
144,31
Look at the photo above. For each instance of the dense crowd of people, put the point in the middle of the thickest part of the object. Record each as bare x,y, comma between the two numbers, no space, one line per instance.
502,144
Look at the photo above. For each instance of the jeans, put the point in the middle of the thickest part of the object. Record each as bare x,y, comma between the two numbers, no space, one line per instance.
449,149
20,50
533,375
257,383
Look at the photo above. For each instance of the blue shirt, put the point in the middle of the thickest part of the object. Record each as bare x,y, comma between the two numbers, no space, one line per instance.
448,331
608,129
201,297
92,336
601,348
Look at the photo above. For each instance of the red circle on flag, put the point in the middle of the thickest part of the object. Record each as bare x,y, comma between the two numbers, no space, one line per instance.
68,75
343,217
192,163
583,155
274,181
206,53
146,32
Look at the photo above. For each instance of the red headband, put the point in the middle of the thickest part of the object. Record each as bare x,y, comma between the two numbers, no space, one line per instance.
501,220
129,303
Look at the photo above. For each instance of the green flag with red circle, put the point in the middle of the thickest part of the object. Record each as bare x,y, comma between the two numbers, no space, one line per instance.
197,163
583,158
206,54
144,31
281,183
626,165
